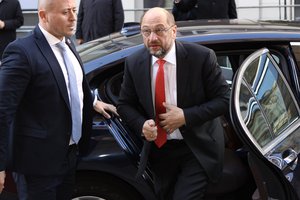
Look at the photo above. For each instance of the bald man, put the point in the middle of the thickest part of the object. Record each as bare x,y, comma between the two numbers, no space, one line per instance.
36,129
182,135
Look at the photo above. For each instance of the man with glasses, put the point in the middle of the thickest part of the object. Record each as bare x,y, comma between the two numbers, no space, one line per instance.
172,94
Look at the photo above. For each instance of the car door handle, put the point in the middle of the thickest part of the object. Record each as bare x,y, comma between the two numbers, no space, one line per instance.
290,158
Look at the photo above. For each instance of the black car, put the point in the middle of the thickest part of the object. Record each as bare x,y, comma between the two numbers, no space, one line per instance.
260,60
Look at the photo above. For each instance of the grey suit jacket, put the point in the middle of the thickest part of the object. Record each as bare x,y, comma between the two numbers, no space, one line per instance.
202,93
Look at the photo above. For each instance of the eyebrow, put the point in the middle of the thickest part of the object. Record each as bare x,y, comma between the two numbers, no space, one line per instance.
156,26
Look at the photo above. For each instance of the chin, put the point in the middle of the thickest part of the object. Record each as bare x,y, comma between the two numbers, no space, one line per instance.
159,54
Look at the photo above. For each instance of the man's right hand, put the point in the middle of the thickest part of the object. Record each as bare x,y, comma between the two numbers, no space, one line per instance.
150,130
79,41
2,179
2,24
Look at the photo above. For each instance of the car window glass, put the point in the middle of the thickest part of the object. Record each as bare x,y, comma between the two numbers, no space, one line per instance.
253,116
266,102
106,45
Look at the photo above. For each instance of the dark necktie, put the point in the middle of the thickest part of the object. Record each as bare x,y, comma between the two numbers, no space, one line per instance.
74,96
160,97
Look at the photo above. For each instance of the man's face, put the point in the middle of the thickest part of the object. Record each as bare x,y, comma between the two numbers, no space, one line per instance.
60,18
158,35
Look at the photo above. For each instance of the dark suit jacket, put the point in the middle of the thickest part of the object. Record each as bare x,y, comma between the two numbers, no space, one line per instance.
34,97
97,18
11,14
203,9
202,93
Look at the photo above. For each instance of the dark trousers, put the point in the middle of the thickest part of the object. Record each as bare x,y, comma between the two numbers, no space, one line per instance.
178,174
58,187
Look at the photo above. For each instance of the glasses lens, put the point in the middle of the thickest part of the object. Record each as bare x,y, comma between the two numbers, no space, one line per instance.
158,31
146,32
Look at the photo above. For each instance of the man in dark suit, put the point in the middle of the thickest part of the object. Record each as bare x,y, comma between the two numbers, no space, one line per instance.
195,95
203,9
98,18
11,18
37,94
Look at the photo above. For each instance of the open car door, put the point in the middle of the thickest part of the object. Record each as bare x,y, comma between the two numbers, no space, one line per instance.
266,116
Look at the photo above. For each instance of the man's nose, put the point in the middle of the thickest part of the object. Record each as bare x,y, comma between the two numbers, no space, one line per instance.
73,15
152,36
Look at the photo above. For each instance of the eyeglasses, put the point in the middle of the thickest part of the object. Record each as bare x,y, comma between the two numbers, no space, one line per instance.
157,31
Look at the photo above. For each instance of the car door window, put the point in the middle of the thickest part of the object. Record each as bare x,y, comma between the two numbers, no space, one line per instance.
266,113
266,103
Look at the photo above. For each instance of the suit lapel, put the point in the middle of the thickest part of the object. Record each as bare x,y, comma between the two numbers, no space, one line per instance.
53,64
183,70
145,81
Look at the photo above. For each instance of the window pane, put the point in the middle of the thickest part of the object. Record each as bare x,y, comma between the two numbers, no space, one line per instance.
253,117
273,96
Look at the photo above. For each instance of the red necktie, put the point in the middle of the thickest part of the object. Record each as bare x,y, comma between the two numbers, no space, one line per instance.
159,99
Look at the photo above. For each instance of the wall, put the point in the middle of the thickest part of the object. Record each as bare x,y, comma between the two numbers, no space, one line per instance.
266,9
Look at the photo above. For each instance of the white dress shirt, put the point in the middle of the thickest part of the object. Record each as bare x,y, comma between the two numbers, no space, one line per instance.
52,40
170,83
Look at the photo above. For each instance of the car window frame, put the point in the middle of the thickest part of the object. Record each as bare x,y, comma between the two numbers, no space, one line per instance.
238,81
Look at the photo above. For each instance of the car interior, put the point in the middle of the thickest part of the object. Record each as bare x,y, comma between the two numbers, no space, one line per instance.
236,167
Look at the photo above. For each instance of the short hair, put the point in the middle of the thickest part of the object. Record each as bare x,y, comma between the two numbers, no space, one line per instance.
169,15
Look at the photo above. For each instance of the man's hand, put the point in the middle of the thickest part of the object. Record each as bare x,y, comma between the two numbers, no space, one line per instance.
104,108
2,179
150,130
79,41
172,119
2,24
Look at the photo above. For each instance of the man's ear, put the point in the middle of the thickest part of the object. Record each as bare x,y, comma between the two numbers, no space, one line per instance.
42,15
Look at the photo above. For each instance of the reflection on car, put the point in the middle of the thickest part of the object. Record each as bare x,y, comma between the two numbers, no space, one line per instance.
260,60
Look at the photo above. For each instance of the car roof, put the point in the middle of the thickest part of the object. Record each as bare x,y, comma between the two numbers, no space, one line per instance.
199,31
228,30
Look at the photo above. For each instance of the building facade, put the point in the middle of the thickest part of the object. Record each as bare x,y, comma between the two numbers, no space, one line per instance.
247,9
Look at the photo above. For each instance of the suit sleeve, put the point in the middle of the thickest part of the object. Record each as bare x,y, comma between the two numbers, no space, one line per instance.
80,16
128,104
14,78
17,20
118,15
232,14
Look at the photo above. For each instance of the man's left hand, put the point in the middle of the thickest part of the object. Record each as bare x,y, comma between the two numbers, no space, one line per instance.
2,24
172,119
104,108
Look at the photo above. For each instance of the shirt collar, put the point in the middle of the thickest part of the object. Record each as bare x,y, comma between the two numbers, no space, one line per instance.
51,39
